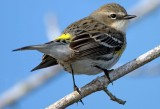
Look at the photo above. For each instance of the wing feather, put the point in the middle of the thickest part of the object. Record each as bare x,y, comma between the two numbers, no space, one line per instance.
96,39
95,44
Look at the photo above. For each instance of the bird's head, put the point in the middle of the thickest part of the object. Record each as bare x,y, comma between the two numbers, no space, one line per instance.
113,15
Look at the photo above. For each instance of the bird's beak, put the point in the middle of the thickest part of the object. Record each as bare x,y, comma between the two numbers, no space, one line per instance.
127,17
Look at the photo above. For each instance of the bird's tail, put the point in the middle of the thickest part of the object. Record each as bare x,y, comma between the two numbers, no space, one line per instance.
43,48
32,47
54,49
47,60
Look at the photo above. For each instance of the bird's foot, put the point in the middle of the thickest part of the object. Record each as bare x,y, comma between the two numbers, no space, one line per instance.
106,72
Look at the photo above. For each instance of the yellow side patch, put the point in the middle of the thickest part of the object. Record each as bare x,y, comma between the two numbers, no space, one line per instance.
64,37
121,50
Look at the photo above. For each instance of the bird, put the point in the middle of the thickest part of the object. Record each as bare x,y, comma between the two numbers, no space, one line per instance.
90,45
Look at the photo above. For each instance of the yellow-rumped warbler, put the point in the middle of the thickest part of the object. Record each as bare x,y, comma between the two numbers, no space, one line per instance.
90,45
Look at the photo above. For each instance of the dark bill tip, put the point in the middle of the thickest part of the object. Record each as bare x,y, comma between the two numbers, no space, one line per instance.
127,17
16,49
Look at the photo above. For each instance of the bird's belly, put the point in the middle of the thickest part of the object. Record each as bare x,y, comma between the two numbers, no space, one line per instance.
87,66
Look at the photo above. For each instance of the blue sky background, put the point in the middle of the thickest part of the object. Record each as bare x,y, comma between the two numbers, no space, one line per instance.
22,23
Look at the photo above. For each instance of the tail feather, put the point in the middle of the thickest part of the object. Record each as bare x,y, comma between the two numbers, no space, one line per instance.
33,47
47,61
26,48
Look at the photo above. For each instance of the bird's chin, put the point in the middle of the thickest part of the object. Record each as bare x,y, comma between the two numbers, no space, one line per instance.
120,25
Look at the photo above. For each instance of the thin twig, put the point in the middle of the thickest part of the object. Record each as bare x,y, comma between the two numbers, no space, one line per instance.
113,97
99,83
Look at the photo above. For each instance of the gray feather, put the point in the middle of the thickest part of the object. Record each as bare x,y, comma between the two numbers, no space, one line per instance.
32,47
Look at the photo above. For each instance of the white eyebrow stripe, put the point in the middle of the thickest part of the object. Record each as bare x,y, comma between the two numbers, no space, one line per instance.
121,13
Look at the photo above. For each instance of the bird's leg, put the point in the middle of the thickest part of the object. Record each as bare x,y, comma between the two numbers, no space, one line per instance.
106,72
74,84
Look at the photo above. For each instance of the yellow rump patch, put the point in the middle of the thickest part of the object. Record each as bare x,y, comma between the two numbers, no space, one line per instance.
64,37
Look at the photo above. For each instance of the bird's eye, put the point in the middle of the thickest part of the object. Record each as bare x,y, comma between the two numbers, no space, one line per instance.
113,16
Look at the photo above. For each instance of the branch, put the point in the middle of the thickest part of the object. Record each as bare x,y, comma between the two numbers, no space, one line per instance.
152,70
101,82
140,9
52,26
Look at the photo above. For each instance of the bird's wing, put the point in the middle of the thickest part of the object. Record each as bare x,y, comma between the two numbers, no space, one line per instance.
101,41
